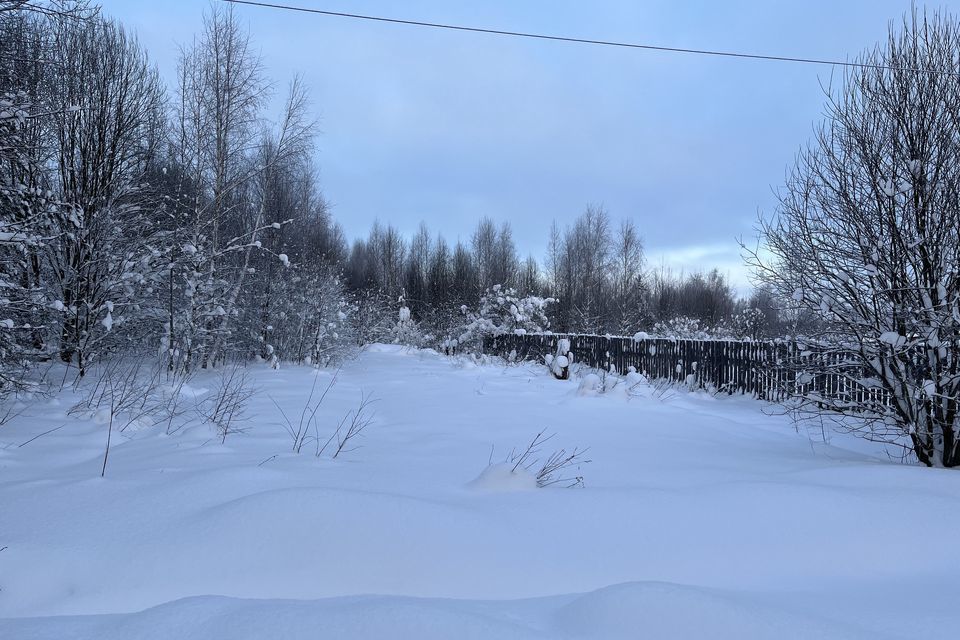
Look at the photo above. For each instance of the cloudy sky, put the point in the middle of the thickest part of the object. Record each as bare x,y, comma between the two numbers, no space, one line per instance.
420,124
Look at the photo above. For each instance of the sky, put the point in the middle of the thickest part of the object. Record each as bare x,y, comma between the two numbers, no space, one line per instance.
445,127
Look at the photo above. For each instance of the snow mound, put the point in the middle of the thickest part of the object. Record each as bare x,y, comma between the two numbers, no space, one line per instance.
502,477
379,347
660,610
590,385
219,618
669,611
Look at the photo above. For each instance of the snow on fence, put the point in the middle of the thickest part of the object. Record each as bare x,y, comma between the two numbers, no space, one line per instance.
772,370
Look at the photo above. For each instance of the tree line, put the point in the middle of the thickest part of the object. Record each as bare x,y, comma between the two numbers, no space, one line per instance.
595,271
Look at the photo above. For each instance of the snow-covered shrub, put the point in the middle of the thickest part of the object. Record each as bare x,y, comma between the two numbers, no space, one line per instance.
590,385
300,314
749,323
503,477
681,328
373,316
124,396
557,468
306,429
445,324
559,362
449,346
226,408
351,427
407,331
502,311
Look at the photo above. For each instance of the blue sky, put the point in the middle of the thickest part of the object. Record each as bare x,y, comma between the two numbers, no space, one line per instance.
445,127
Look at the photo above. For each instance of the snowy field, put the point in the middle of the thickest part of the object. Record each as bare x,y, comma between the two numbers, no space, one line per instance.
700,517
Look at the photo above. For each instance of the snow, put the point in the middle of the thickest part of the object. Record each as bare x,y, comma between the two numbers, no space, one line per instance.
701,516
589,385
504,477
893,338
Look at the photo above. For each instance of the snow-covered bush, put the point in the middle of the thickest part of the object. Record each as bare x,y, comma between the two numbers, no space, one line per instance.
445,325
502,311
372,317
303,318
407,331
559,362
527,469
226,408
306,428
681,328
749,323
555,469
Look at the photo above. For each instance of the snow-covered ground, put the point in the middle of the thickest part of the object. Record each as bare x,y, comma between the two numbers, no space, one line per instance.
700,517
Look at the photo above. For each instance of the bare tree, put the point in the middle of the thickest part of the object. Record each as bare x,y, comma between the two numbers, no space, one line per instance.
387,250
238,173
628,285
866,237
529,281
464,275
484,248
417,270
439,276
581,264
220,96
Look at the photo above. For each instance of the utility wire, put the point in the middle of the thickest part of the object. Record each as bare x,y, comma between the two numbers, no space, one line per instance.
605,43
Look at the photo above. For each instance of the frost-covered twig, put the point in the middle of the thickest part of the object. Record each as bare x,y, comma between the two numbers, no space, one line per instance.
40,435
360,418
528,457
124,394
553,470
300,432
228,405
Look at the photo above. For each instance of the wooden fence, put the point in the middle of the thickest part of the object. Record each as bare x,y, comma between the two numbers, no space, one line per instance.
771,370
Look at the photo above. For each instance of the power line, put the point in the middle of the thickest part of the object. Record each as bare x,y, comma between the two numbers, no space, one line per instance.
605,43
